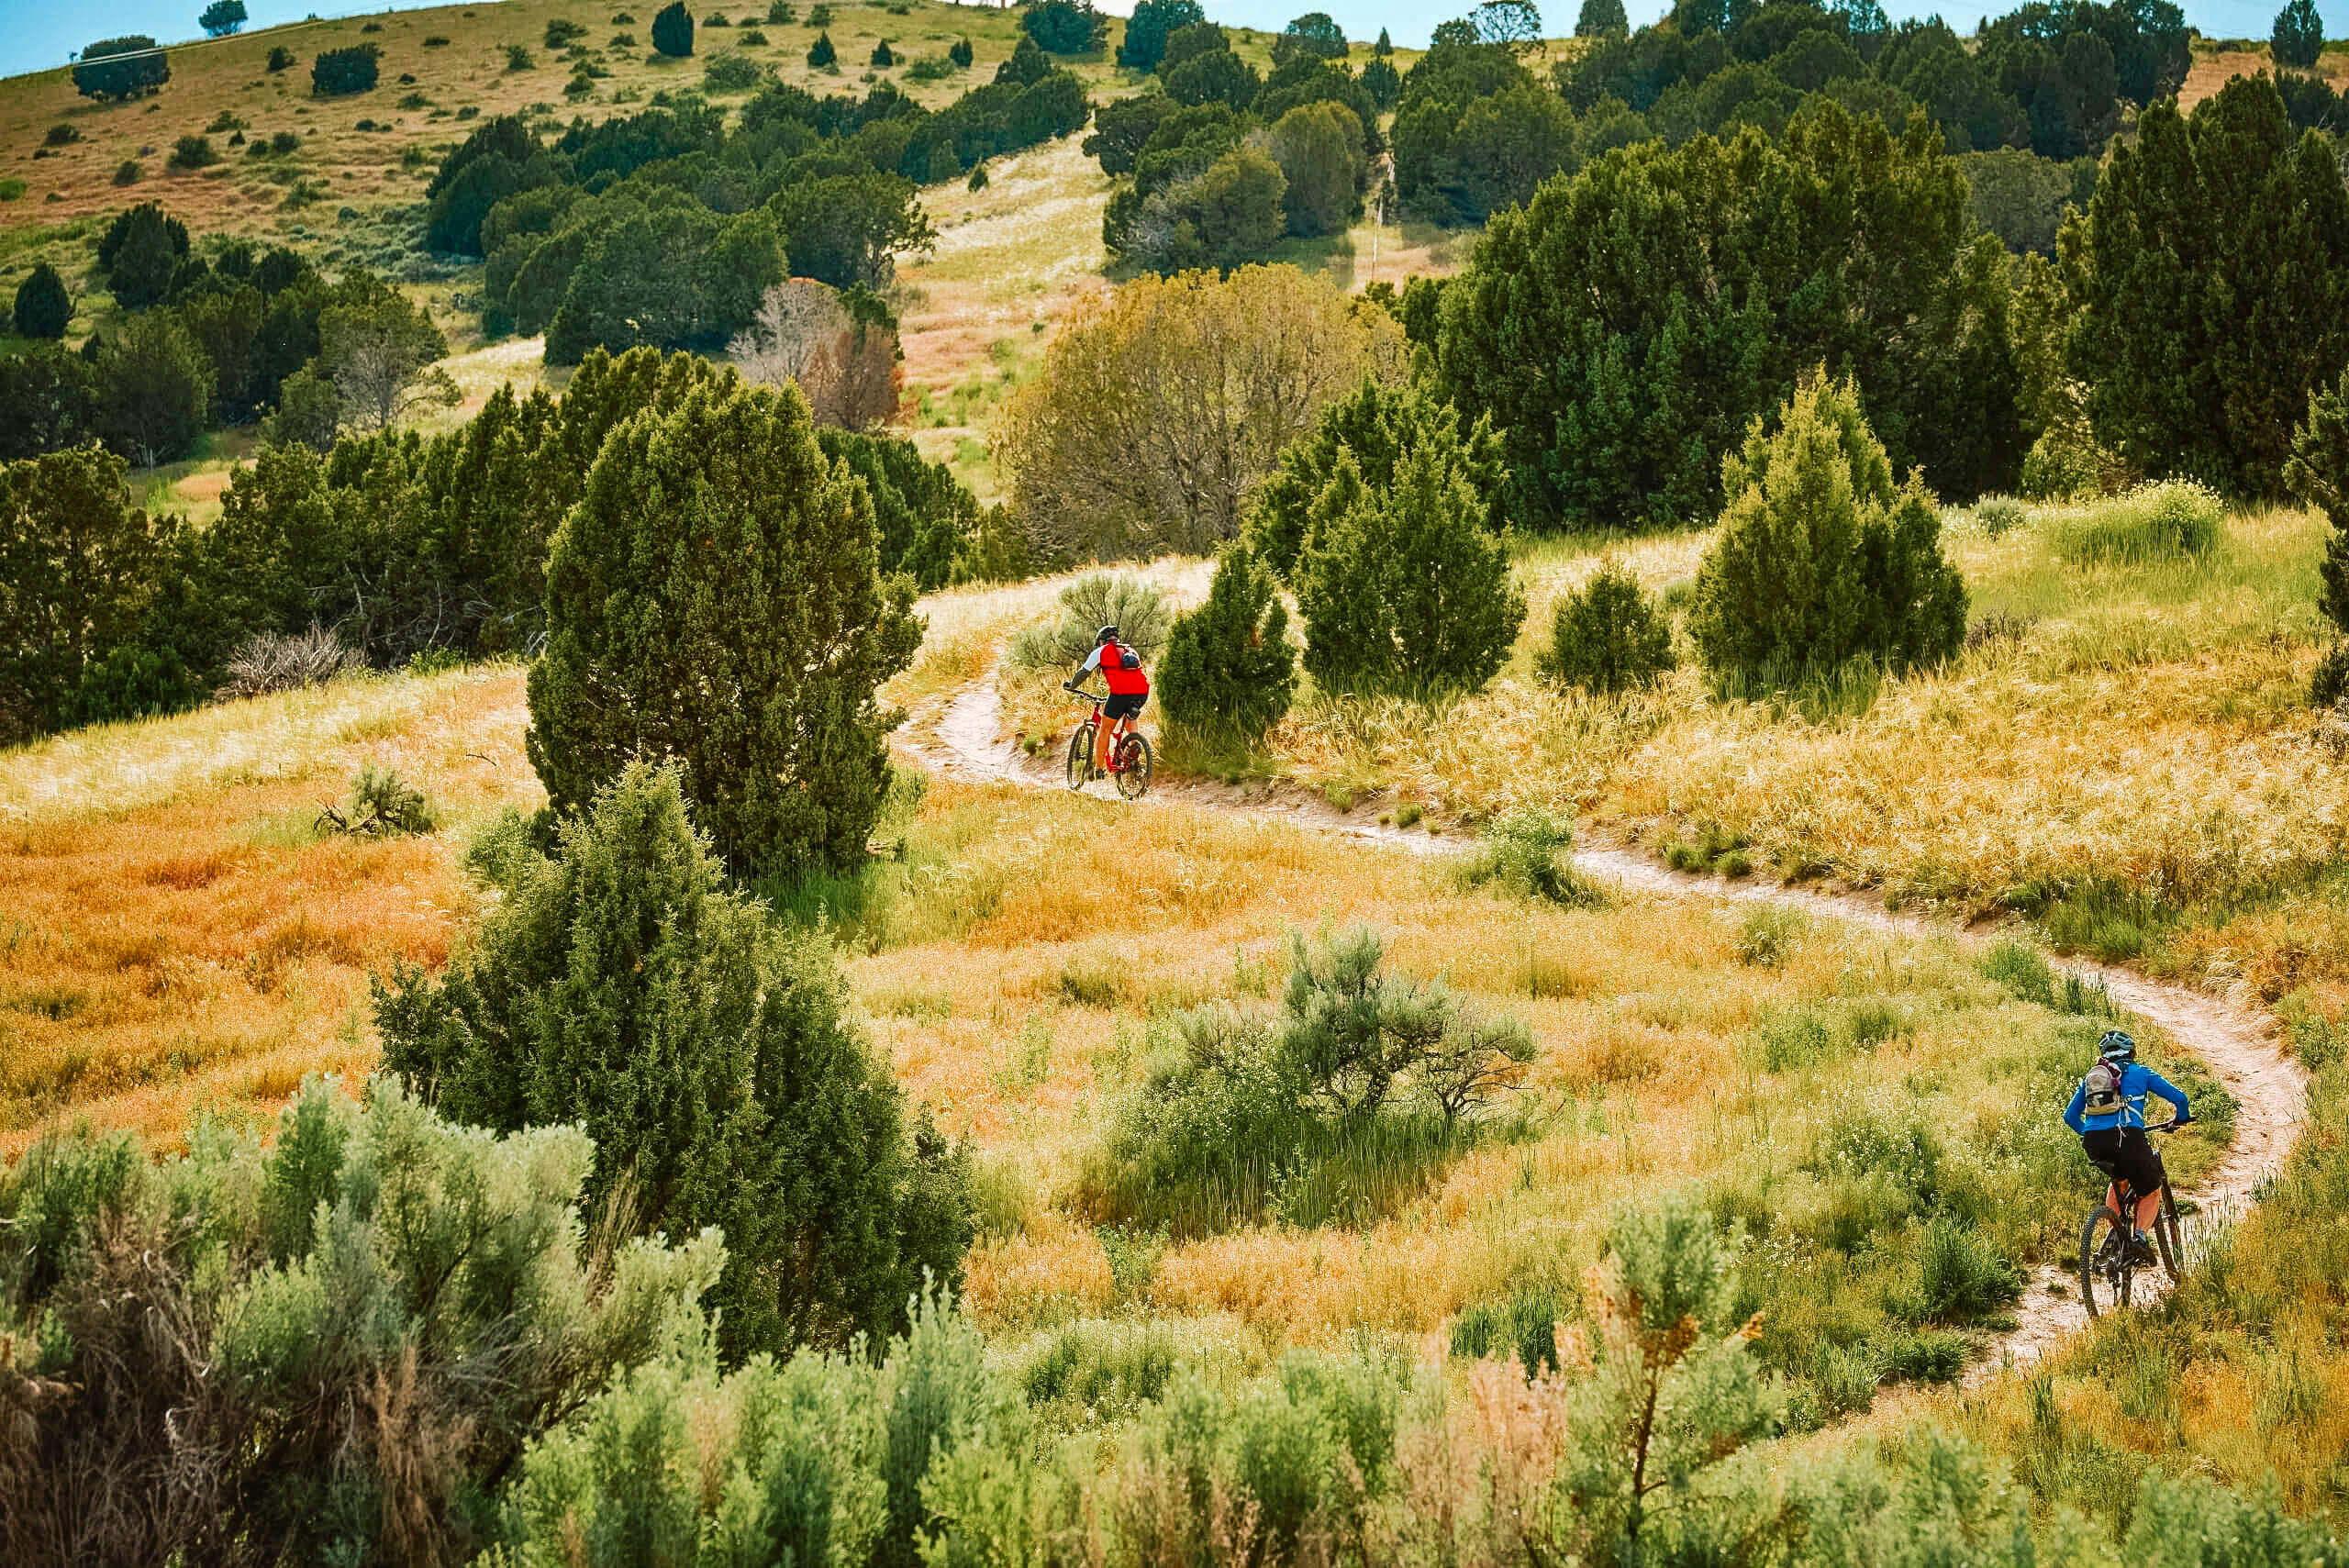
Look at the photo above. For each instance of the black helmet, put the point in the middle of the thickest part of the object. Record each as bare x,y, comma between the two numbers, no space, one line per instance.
2116,1046
1106,636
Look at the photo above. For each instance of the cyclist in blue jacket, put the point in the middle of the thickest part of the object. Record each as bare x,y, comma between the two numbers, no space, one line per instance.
2108,1110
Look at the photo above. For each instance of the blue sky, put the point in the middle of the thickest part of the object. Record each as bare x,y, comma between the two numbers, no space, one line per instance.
36,34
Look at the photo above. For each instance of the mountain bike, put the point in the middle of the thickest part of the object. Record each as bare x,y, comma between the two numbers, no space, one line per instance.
2109,1257
1130,759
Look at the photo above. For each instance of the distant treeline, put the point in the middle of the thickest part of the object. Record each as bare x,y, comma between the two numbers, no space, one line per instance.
664,227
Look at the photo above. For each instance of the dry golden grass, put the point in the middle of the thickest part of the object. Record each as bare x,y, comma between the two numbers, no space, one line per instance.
2149,724
1037,940
175,935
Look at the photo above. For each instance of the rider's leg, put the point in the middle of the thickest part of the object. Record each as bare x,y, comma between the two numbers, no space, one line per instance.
2112,1197
2149,1209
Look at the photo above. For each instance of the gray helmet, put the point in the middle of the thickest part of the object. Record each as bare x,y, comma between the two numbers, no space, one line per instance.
1106,636
2116,1046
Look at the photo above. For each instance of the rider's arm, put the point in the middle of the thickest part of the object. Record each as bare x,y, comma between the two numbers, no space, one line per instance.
1092,662
2157,1084
2072,1116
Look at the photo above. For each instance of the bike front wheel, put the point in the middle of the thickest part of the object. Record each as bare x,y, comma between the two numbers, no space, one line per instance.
1134,767
2167,1236
2105,1265
1080,756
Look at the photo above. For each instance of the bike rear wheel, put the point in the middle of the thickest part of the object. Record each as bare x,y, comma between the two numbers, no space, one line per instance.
1080,756
2105,1268
1134,767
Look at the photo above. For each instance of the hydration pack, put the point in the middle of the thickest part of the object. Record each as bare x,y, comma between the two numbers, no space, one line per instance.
2103,1087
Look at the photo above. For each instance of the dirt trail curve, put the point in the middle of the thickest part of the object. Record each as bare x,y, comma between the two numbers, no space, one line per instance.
2236,1042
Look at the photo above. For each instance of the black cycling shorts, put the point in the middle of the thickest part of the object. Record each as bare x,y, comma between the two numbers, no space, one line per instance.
1124,705
2125,1154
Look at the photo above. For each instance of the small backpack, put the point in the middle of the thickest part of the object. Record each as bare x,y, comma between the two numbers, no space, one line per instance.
1127,659
2103,1087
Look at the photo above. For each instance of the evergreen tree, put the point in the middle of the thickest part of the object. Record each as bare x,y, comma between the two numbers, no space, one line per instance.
337,71
1403,588
140,252
1146,30
77,567
1623,327
1608,636
120,68
1315,35
222,18
155,390
959,51
2299,36
2209,282
673,31
1601,19
42,306
821,54
1229,671
49,401
1819,558
617,987
1378,425
1064,27
714,598
2318,473
1382,81
1384,47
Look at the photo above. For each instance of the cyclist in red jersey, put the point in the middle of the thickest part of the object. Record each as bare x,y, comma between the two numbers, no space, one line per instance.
1120,666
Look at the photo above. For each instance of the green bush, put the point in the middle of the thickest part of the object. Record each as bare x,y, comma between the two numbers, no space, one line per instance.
618,988
1768,934
330,1345
193,152
1137,608
1820,559
2152,522
1229,670
1065,27
2329,682
1961,1278
731,70
2000,515
382,803
1529,853
1523,1326
1335,1103
339,72
1608,636
821,55
751,659
121,67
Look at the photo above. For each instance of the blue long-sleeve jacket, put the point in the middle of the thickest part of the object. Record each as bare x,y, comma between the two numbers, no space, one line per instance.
2137,1080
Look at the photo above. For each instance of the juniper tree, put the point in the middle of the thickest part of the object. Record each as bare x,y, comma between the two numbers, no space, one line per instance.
1379,425
1229,670
1819,557
618,987
673,31
2209,280
2318,473
1405,589
43,308
714,598
1608,636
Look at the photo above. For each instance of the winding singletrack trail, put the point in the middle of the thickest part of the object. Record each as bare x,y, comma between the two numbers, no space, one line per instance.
2236,1042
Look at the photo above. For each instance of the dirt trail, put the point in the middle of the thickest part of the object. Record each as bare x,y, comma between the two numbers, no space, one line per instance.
2237,1042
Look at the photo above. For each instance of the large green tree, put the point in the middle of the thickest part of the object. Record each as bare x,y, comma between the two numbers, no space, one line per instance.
155,388
618,987
2210,284
1624,327
714,599
77,565
2298,38
1230,672
1144,43
138,252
